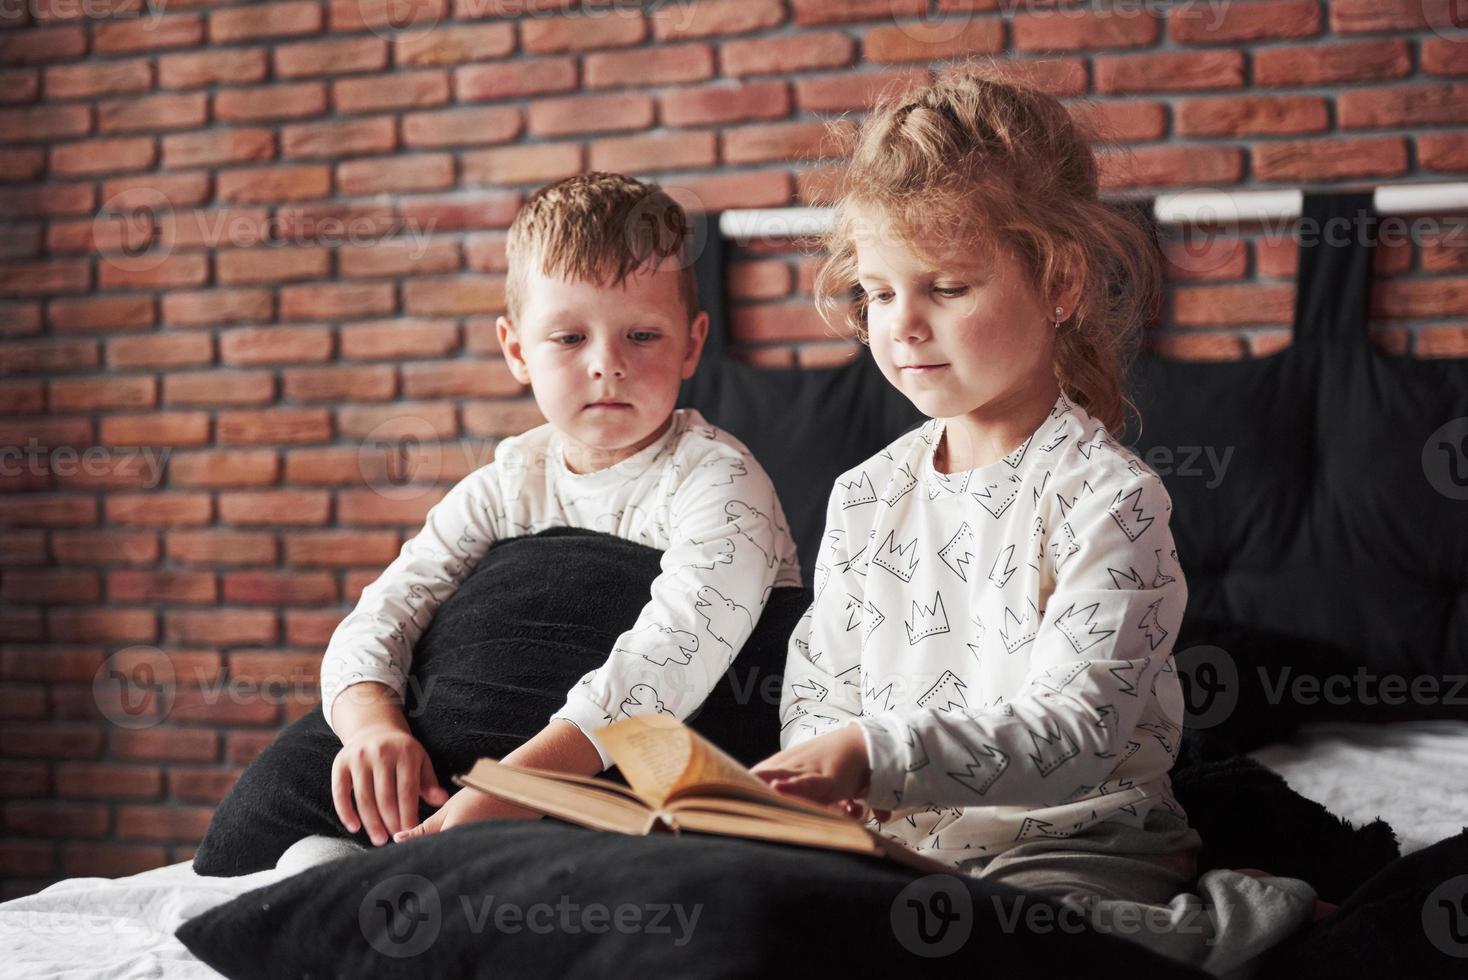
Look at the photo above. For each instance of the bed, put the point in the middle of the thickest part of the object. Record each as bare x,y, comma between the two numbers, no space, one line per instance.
1337,533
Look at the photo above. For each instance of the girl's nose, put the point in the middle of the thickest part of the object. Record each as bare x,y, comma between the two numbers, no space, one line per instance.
909,327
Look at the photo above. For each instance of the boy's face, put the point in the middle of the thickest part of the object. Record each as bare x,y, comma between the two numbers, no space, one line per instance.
604,362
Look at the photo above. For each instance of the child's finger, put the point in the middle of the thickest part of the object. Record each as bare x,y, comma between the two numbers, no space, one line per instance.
407,793
435,794
341,796
367,805
385,784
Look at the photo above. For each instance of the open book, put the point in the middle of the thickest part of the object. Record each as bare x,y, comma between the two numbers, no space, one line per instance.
681,781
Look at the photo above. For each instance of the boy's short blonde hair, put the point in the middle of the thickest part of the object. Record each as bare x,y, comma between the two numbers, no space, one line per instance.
599,228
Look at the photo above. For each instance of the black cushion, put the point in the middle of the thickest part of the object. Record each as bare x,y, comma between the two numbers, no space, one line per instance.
430,908
497,660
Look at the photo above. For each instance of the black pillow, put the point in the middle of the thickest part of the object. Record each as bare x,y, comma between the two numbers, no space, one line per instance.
431,908
535,615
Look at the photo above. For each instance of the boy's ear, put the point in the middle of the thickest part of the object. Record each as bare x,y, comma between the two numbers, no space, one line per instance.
698,332
510,347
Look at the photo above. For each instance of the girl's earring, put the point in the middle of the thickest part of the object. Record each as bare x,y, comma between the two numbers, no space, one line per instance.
1059,315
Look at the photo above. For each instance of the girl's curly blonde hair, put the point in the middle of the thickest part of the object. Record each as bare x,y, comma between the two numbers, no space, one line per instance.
972,160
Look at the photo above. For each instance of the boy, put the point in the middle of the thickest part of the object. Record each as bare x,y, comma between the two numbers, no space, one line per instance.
603,324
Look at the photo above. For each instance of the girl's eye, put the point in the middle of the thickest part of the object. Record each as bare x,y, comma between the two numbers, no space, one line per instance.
878,296
950,291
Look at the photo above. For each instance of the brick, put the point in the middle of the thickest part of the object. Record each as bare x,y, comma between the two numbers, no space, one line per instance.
376,134
329,301
779,141
713,18
264,20
1169,72
1241,305
167,111
1210,346
388,175
275,264
113,625
668,65
311,627
1444,152
486,253
613,27
451,45
126,547
267,102
398,257
223,468
179,269
269,185
20,622
1330,159
46,818
164,743
211,388
26,163
22,858
44,123
1395,107
1172,166
221,547
359,421
330,58
46,432
498,419
460,127
1129,121
771,56
661,151
100,314
153,509
590,114
90,79
746,189
1349,16
242,747
51,740
1208,258
20,84
33,47
521,164
344,549
814,13
195,785
763,279
768,322
273,588
22,398
1252,116
1328,64
367,508
110,860
54,199
275,345
1441,296
1442,340
455,296
223,627
294,507
841,92
156,429
284,425
136,585
328,466
216,146
355,15
49,585
1441,56
46,356
195,69
87,394
485,379
181,190
306,222
488,83
1245,23
400,90
165,823
103,156
1083,30
725,103
148,34
214,307
341,382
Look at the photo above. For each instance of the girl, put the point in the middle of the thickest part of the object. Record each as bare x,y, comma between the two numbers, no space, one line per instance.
987,664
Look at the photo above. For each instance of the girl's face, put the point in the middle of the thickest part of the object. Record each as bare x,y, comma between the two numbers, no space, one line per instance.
963,337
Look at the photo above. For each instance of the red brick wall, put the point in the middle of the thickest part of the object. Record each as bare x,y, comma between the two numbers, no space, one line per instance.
257,239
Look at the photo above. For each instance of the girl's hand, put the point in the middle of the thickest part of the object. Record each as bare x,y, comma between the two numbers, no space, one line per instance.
465,806
828,769
376,780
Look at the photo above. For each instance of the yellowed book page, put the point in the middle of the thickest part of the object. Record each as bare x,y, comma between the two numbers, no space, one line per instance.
853,838
600,804
652,751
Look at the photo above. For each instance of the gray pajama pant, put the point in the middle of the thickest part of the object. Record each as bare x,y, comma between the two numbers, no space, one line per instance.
1141,884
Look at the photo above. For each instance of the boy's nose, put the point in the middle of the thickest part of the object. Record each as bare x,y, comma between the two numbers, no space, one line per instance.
608,362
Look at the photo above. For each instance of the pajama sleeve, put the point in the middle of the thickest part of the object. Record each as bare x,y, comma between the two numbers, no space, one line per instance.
375,642
715,578
822,685
1100,651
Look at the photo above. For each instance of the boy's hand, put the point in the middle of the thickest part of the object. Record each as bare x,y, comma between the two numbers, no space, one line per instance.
830,769
465,806
382,769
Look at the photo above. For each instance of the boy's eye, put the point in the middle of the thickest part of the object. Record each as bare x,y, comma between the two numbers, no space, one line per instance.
644,336
566,339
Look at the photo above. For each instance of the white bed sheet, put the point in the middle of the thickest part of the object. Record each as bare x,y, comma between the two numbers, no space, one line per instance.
1414,775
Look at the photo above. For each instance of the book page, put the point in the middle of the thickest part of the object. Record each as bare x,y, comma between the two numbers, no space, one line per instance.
652,751
591,802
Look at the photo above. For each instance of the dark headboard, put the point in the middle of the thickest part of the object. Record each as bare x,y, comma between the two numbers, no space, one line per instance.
1334,507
